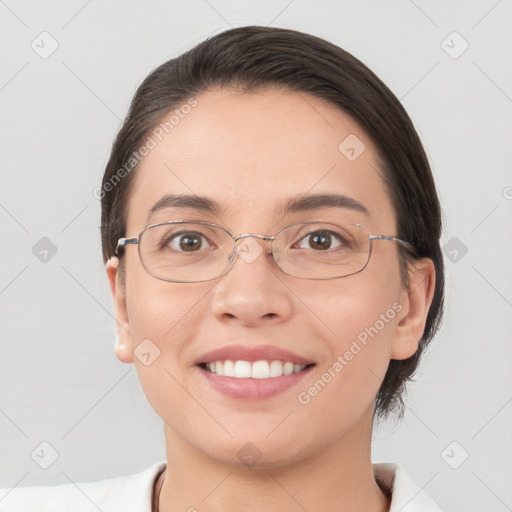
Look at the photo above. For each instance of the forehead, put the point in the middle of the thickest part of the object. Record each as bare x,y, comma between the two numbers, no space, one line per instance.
251,152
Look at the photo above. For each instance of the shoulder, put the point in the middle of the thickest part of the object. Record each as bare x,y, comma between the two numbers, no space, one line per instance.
126,494
406,495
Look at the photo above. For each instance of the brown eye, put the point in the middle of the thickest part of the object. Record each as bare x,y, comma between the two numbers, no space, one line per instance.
190,243
320,241
187,242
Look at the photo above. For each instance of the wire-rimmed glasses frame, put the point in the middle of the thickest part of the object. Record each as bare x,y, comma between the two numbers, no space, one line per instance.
286,264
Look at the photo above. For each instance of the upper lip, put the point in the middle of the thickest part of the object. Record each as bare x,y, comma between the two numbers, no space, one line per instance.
251,354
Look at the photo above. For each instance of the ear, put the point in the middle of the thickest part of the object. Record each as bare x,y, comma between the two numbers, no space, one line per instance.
123,349
415,301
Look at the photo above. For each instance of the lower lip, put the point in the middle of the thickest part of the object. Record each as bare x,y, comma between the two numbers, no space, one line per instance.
253,389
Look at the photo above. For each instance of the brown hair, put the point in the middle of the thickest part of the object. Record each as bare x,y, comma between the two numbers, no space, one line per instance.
254,57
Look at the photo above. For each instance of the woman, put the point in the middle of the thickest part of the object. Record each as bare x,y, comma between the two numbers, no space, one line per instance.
270,229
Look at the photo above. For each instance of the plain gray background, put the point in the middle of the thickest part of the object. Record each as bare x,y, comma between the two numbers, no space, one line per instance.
60,382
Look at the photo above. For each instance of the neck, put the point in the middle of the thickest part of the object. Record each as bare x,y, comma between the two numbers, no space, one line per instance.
339,477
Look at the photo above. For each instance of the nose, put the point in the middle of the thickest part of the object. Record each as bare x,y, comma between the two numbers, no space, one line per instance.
252,293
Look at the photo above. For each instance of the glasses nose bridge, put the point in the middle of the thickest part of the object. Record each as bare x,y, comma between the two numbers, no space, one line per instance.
265,238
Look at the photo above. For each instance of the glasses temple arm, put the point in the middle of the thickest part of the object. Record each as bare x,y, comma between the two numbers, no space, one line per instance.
122,242
394,239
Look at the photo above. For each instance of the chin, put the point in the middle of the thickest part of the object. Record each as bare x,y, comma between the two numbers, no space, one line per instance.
249,457
259,453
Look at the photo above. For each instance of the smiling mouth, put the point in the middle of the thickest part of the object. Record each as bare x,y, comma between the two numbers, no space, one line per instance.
263,369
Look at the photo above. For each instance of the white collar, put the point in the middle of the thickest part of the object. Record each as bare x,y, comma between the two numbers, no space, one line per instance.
133,493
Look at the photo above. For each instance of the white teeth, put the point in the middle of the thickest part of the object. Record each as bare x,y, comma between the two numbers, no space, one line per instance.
229,369
256,370
260,370
242,369
288,368
276,369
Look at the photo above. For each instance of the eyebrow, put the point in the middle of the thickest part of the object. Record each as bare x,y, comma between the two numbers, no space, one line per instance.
318,201
192,202
292,205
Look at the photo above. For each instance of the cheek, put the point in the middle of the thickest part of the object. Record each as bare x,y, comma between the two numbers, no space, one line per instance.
361,307
164,318
363,326
159,310
364,315
358,315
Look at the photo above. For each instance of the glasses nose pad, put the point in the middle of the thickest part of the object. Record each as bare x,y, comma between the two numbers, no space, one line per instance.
249,247
232,256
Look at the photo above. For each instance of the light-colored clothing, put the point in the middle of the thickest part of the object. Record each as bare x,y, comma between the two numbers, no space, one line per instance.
134,494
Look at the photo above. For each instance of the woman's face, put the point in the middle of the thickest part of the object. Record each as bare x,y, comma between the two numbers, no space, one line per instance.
250,155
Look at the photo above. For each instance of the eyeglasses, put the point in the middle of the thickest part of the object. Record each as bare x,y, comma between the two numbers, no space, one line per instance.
185,251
